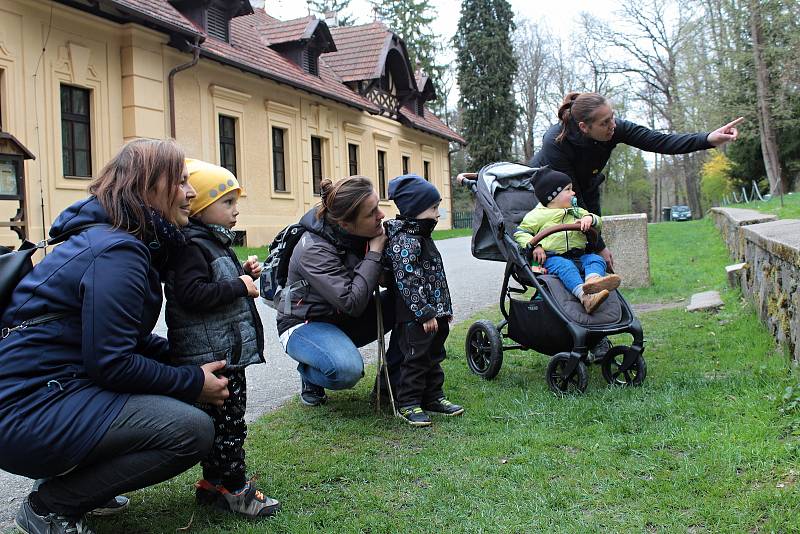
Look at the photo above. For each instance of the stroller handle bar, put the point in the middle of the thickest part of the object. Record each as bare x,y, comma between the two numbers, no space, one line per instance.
468,180
561,228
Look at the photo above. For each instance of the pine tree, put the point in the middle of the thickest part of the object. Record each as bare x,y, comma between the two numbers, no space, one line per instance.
324,6
486,71
411,20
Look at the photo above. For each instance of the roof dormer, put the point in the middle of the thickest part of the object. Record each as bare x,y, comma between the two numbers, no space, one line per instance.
301,41
213,16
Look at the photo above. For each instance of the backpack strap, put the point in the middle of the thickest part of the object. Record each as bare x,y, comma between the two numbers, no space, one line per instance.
287,303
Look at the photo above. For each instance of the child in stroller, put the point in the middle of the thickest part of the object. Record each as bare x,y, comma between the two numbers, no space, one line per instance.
560,252
548,319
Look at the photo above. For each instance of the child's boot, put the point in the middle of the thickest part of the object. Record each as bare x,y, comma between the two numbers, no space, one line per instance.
414,416
596,284
444,407
248,501
592,301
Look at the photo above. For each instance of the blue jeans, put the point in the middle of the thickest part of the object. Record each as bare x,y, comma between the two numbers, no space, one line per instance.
326,356
567,270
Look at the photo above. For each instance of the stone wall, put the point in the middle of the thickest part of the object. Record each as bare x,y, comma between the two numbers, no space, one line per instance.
771,251
626,236
730,221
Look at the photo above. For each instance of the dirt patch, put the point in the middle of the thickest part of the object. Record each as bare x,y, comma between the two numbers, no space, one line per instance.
656,306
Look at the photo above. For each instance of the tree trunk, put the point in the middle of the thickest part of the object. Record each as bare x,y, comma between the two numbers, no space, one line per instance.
769,141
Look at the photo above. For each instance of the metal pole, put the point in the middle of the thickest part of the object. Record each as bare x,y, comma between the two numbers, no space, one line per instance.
382,357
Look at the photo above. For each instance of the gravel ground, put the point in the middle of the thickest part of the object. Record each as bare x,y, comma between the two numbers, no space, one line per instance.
474,285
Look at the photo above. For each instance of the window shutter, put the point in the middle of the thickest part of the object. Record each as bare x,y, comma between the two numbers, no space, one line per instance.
218,24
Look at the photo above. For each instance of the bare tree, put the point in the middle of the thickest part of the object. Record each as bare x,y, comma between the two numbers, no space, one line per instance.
532,81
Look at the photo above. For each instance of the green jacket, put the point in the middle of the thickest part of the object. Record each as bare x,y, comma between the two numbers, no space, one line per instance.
542,217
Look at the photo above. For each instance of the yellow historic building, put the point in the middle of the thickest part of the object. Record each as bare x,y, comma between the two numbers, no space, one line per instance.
282,104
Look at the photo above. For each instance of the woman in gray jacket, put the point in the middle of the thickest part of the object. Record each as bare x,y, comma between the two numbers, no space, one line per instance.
333,312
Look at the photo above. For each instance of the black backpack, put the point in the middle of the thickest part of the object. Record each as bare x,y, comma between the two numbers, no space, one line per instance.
276,267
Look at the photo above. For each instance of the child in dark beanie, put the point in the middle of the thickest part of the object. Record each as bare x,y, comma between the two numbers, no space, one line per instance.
562,251
422,301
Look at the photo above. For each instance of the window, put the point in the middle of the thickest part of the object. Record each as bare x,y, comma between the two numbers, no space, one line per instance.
426,170
382,173
76,143
352,157
227,143
316,163
278,160
406,164
217,24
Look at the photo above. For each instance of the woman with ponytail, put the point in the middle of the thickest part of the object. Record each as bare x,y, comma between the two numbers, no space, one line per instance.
334,270
580,144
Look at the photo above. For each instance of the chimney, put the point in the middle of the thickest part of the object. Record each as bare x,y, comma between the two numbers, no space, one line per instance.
332,19
257,4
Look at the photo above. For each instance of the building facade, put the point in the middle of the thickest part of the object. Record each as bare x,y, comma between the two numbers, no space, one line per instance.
282,104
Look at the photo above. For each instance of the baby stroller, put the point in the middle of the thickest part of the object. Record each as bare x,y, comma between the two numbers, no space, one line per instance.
551,321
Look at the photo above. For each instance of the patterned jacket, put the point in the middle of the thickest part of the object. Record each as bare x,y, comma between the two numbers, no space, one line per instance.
418,271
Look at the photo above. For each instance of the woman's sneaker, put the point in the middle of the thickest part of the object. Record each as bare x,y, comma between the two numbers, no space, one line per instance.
413,415
249,501
444,407
312,394
30,522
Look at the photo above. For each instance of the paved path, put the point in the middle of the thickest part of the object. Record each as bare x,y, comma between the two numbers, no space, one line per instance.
474,285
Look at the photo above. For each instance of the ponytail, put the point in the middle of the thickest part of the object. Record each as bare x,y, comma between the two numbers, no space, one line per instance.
580,107
340,201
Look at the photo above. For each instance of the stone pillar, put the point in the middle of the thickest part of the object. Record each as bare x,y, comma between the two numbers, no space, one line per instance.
626,236
144,85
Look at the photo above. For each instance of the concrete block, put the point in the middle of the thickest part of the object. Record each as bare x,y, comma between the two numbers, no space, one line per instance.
735,273
730,221
707,300
626,236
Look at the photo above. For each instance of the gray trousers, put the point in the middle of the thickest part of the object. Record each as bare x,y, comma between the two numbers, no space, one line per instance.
152,439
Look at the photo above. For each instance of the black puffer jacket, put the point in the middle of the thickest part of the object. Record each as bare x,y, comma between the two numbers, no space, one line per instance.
418,271
583,159
341,276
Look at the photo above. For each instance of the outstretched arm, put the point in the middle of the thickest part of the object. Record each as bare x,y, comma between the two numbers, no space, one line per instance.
725,134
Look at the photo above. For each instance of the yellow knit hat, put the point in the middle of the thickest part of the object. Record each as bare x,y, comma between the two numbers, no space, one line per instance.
211,182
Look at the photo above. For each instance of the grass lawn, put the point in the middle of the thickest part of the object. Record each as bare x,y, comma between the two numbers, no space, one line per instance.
701,447
790,209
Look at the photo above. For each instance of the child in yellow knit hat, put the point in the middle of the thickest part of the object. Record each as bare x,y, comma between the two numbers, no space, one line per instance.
211,315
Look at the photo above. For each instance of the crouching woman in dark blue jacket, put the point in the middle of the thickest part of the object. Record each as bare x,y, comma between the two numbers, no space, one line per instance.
87,399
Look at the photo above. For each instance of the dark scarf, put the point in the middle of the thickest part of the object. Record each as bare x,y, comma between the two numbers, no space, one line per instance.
223,235
352,243
161,237
420,227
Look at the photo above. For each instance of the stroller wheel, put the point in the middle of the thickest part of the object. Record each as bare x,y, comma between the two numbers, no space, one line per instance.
612,364
484,349
559,378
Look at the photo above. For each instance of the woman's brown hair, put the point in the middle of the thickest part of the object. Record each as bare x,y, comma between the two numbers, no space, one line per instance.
145,172
578,106
341,200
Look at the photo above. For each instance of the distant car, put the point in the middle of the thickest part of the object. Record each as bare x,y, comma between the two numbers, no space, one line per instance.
680,213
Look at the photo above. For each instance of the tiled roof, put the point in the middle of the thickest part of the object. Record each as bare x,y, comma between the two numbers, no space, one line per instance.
249,50
160,11
278,32
360,51
429,123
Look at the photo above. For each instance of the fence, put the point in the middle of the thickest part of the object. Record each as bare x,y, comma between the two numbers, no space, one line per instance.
462,219
733,198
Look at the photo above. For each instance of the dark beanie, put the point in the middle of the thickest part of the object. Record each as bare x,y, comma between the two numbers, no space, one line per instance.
412,194
548,184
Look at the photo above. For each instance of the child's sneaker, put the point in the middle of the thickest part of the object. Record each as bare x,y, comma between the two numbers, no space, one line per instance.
312,394
444,407
249,501
596,284
593,301
414,416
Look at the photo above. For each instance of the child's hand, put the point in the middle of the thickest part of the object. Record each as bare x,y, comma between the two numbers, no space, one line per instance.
586,222
431,325
539,255
252,267
252,290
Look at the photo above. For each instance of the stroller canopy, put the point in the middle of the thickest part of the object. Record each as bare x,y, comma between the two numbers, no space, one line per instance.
504,194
